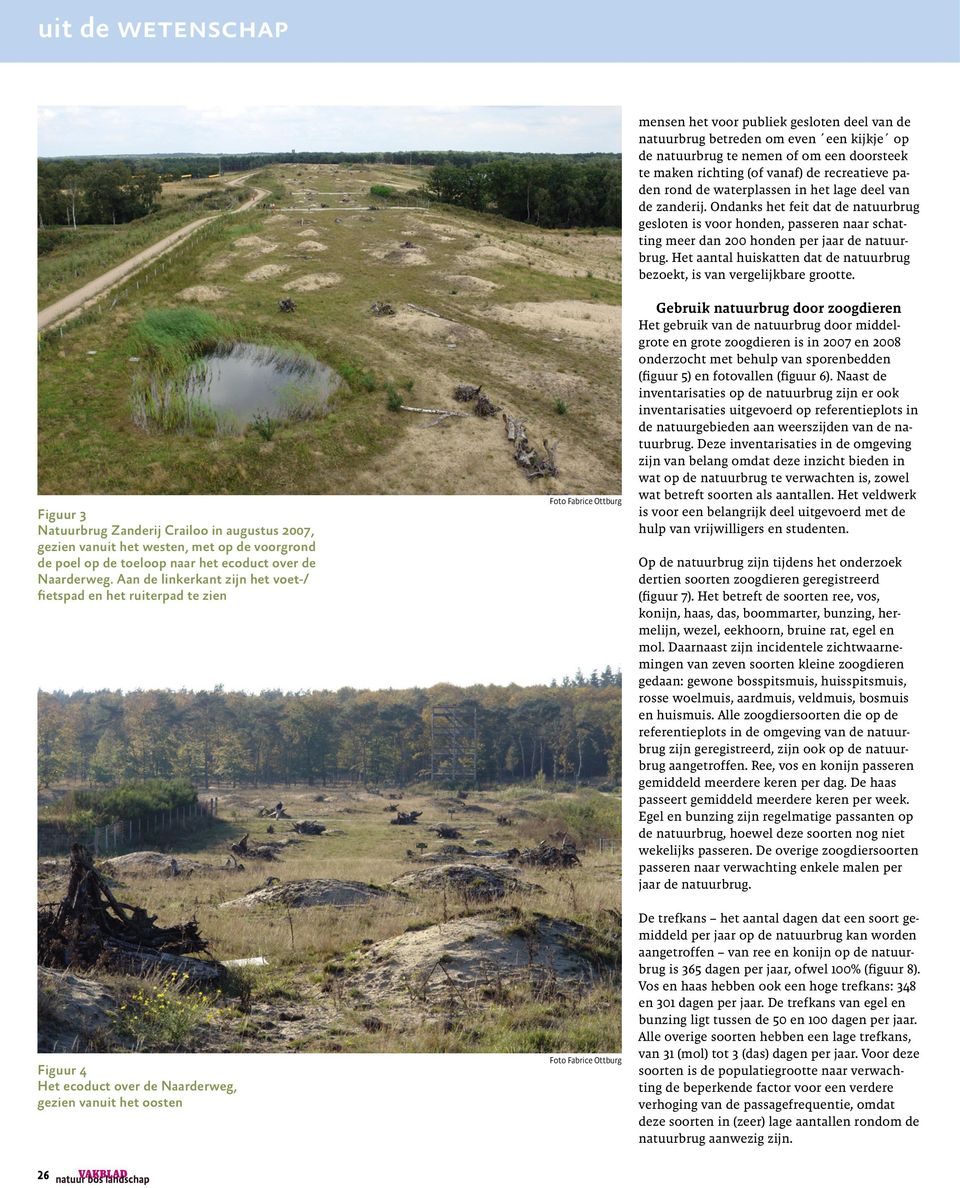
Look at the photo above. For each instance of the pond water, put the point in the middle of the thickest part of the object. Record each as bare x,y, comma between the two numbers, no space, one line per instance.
244,379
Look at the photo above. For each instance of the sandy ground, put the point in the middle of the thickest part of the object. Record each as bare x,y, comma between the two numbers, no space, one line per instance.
260,245
422,325
313,281
578,319
472,952
267,272
309,893
204,293
470,284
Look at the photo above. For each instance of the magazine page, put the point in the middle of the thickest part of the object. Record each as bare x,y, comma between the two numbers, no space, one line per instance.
481,601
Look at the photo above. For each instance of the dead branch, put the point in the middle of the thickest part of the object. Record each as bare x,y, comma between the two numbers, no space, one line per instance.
439,414
466,392
544,854
89,926
525,454
313,827
483,406
406,818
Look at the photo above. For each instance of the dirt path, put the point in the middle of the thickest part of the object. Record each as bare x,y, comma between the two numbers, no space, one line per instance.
74,302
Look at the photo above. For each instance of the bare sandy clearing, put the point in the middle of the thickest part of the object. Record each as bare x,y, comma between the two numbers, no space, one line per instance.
475,952
267,272
560,262
422,326
257,243
311,245
151,862
203,293
471,458
577,319
309,893
73,1013
315,280
276,218
491,252
470,284
399,255
308,233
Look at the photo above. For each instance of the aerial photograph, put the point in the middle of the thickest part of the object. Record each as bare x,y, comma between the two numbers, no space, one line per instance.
295,300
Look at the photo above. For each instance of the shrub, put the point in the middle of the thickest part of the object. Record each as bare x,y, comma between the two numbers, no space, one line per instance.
162,1017
135,798
356,377
264,424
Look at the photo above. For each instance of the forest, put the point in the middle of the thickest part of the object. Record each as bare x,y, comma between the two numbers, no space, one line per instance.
568,731
72,194
548,191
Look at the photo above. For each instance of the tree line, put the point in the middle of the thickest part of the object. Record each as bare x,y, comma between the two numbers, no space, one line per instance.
203,164
213,737
72,193
548,192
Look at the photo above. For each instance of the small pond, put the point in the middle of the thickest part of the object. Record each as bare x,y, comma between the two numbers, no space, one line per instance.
244,379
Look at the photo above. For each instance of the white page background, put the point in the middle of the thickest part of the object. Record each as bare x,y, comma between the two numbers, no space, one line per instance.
566,576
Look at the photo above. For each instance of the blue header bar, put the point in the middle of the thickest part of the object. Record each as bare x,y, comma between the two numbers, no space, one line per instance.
495,31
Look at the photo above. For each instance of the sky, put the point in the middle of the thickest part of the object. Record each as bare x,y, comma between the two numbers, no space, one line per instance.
95,131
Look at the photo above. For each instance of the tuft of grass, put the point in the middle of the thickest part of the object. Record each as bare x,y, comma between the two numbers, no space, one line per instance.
163,1016
264,425
357,377
169,340
560,407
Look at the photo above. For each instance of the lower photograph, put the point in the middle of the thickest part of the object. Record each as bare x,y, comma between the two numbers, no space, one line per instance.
414,870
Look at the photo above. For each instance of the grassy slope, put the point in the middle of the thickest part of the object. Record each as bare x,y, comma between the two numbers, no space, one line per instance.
93,250
87,442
